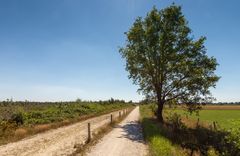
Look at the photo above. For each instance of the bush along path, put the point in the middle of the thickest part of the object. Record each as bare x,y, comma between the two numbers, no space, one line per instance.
125,139
59,141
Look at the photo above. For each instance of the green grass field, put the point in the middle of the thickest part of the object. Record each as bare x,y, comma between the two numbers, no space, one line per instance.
182,137
225,118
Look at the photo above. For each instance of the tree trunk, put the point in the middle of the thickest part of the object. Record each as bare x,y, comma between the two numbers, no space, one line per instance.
159,111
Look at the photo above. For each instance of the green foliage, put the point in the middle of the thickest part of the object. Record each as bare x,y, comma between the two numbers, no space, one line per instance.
175,120
212,152
42,113
161,146
200,139
155,135
166,62
234,136
17,118
14,115
228,138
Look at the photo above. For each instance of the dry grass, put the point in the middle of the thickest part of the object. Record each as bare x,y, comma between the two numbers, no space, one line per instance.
66,122
42,128
191,123
10,133
20,133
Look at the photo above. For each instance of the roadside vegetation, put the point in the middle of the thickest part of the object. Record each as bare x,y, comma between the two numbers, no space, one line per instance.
21,119
184,134
155,135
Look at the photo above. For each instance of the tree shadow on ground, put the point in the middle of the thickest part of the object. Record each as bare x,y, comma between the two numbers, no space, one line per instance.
133,131
195,140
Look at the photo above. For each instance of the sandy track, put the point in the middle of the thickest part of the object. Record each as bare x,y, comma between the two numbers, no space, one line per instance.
57,142
125,140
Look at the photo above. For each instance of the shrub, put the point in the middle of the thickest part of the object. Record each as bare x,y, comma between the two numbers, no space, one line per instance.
175,120
17,118
233,138
212,152
3,126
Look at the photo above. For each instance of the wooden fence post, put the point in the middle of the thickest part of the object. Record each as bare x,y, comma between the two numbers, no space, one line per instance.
210,127
89,132
198,122
214,125
111,118
120,114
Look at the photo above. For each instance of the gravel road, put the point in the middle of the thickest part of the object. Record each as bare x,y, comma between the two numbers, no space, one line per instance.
57,142
124,140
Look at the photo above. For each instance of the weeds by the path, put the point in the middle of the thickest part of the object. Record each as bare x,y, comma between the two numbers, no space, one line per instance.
155,135
176,138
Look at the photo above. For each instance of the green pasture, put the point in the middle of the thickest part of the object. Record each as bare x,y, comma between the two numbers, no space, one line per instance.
225,118
176,138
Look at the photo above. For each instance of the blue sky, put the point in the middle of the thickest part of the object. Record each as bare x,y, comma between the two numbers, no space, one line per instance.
53,50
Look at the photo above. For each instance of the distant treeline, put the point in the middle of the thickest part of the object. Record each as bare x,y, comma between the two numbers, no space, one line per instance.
147,101
26,102
225,103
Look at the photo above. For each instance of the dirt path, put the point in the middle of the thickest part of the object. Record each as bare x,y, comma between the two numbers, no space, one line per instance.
57,142
125,140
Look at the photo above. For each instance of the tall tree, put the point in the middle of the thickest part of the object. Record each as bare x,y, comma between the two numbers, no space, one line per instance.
166,62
